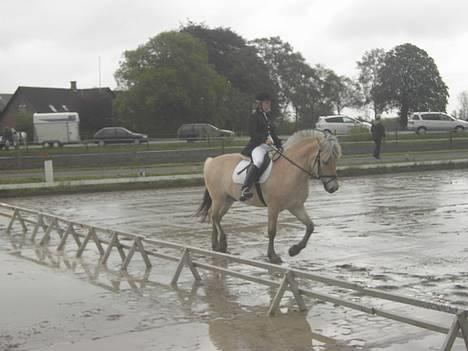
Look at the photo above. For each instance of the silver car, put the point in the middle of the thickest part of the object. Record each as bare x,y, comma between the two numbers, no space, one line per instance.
340,124
423,122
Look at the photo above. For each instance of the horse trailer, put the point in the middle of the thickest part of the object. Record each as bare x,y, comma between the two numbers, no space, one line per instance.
56,129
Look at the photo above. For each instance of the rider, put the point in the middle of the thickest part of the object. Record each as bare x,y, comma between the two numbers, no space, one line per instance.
262,135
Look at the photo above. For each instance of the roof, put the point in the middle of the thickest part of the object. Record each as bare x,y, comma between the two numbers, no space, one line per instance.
46,100
4,98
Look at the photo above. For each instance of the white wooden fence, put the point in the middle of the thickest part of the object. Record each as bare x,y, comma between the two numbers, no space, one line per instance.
106,241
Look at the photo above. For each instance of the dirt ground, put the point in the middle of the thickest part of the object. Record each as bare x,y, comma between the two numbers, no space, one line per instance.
402,233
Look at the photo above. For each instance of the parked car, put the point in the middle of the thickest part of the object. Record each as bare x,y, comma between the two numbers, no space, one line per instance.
340,124
119,135
422,122
201,131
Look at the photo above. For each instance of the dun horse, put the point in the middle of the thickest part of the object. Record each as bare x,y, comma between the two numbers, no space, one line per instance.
306,154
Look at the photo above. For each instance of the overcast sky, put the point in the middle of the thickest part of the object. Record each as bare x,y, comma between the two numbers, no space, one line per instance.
48,43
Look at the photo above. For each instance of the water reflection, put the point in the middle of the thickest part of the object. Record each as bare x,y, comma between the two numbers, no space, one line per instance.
232,325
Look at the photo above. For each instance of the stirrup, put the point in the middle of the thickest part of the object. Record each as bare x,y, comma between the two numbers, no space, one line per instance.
245,194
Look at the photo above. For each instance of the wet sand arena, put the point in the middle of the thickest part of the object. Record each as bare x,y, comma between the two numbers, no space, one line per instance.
403,233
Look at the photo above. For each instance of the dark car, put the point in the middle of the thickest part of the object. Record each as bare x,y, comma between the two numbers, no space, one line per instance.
119,135
201,131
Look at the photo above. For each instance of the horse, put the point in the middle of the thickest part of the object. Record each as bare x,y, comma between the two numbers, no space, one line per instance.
307,153
19,138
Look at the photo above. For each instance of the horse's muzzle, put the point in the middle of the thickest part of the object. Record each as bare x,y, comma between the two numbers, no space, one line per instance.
331,186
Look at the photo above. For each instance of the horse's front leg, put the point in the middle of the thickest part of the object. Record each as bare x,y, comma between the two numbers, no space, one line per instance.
272,223
214,238
301,214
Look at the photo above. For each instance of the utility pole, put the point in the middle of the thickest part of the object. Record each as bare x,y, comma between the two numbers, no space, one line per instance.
99,70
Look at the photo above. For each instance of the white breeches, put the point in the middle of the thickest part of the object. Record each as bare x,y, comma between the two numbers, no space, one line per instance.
259,153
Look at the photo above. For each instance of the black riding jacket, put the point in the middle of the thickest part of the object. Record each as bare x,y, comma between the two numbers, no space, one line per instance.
259,128
378,131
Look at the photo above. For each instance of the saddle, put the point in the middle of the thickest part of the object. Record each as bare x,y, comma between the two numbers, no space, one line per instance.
238,176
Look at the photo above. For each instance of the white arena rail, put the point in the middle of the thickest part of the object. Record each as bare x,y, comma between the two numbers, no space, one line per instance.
107,240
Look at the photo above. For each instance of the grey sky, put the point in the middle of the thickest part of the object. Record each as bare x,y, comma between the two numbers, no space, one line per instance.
51,42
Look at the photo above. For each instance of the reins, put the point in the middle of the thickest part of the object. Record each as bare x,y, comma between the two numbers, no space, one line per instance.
310,174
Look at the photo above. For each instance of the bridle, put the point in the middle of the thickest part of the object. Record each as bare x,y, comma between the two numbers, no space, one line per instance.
310,174
323,176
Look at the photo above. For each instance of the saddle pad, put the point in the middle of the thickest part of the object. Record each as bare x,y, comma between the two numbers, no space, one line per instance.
242,166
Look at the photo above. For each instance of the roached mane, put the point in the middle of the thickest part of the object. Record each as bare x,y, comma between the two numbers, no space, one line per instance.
329,146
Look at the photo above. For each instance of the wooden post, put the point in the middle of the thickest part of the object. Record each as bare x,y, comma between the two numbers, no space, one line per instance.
140,248
288,280
64,237
106,255
459,324
84,243
39,224
18,215
137,246
96,241
46,236
185,260
10,225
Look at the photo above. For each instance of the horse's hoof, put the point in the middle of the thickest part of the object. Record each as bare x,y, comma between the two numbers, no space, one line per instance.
294,250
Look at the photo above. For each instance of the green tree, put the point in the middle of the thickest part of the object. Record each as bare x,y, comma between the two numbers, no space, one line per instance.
233,58
24,123
341,91
410,81
169,81
299,84
240,64
369,66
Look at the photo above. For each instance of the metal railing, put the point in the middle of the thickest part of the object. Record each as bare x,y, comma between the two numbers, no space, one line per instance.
61,232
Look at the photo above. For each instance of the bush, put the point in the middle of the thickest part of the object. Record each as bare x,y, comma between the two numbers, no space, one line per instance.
24,123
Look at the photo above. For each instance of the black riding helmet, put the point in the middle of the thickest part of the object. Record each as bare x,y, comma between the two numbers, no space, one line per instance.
263,97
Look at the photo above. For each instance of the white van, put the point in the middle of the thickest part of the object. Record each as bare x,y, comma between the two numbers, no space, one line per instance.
422,122
56,129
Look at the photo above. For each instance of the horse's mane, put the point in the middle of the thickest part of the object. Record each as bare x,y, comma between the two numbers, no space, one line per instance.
329,146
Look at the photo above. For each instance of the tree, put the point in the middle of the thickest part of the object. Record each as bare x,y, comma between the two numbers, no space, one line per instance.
410,81
298,83
232,57
463,100
372,61
168,81
24,123
341,91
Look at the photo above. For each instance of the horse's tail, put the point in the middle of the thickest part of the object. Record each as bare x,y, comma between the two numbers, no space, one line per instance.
205,206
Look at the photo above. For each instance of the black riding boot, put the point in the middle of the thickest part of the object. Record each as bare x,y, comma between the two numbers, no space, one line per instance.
250,178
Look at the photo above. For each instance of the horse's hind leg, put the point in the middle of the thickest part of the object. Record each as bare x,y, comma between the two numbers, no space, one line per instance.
301,214
218,237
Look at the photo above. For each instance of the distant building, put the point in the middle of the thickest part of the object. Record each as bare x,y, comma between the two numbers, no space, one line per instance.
93,105
4,98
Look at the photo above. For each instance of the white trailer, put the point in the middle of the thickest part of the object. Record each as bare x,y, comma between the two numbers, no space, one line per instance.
56,129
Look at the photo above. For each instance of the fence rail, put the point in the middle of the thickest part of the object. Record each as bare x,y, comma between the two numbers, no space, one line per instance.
59,232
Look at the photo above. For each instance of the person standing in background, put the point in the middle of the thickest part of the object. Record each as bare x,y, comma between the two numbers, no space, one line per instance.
378,133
